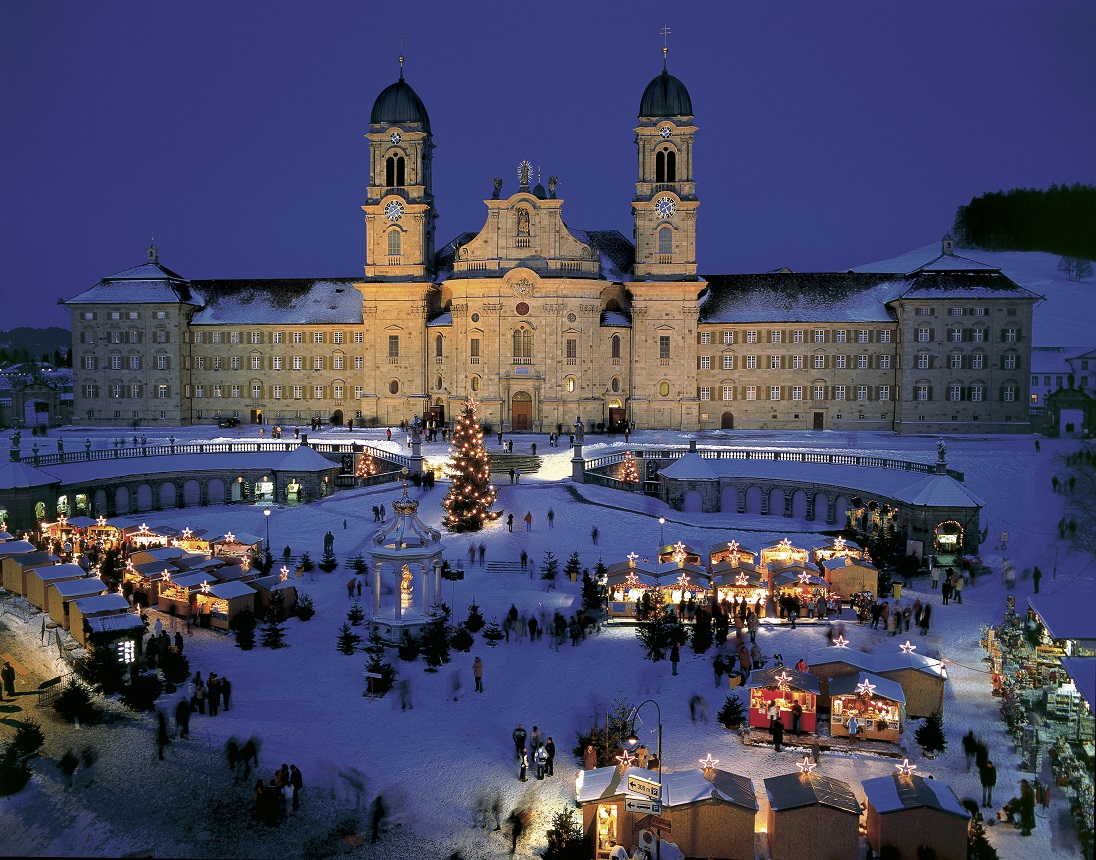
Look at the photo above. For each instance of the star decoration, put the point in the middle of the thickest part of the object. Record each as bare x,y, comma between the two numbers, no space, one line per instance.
733,547
865,687
841,642
785,544
625,759
63,520
838,544
783,680
683,580
166,575
229,537
205,586
285,572
708,762
742,580
804,578
631,580
806,766
101,521
908,648
144,527
905,768
632,558
187,534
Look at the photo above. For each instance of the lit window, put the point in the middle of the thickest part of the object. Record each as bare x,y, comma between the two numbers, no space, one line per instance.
728,362
751,362
797,392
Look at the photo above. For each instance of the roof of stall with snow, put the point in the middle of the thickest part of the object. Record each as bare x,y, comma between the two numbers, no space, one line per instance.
304,459
1064,616
897,793
843,685
16,547
682,787
59,571
231,589
280,301
112,602
793,790
15,476
83,587
796,680
111,623
1083,672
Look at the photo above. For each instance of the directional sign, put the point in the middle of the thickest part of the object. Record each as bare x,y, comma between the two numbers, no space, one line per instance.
661,823
644,807
645,787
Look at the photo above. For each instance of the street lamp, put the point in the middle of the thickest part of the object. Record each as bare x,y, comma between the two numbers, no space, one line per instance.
633,739
266,516
661,524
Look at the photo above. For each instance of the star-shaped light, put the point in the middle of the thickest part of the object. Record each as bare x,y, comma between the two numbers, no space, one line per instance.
631,580
865,687
708,762
905,768
783,680
229,537
679,548
625,759
683,580
63,520
804,578
246,564
742,580
733,547
187,534
841,641
129,566
785,544
144,527
632,558
908,648
101,521
166,575
285,572
838,544
806,766
205,586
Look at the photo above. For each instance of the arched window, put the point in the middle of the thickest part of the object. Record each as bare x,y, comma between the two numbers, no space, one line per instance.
437,346
394,387
475,383
569,384
437,384
393,170
664,389
614,346
523,346
671,166
665,241
615,384
393,243
660,166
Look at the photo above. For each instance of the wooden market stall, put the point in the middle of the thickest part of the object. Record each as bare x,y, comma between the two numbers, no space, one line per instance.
269,589
922,678
193,540
847,575
812,817
177,597
14,569
39,580
216,605
239,545
87,609
678,552
915,817
877,704
799,583
838,547
731,552
782,554
626,584
69,590
834,662
711,811
140,537
104,535
741,582
786,687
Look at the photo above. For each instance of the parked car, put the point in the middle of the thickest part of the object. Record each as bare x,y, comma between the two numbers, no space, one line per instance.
229,422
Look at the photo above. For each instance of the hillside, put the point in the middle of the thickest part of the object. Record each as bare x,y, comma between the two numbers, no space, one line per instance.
36,341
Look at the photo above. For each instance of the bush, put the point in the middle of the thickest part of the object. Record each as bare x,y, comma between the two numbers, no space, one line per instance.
360,566
566,841
409,649
732,714
28,738
14,771
175,667
462,640
377,665
142,693
104,669
243,627
305,607
75,703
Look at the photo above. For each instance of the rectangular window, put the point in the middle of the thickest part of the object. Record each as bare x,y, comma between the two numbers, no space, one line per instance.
317,392
751,362
884,392
820,392
797,362
359,337
978,335
728,337
976,393
728,362
235,337
235,392
217,337
116,362
135,390
199,391
922,362
116,391
199,363
317,362
751,392
955,361
1008,393
134,337
337,362
1035,380
1009,362
861,362
217,390
256,337
705,393
774,392
276,363
819,336
359,391
298,337
819,362
115,315
705,362
1010,335
924,335
955,335
277,394
839,362
161,362
337,392
198,335
317,337
216,362
89,315
774,362
298,392
839,392
861,392
89,391
256,362
797,392
336,337
774,337
839,336
862,336
955,392
664,346
135,362
359,362
885,336
921,392
394,347
751,337
161,391
797,336
277,337
571,348
976,361
728,392
235,362
298,362
923,312
955,312
978,312
705,337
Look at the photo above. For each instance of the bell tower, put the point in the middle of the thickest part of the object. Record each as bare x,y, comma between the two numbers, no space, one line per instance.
665,202
399,209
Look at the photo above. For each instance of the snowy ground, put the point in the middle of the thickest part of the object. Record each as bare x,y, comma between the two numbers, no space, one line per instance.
431,763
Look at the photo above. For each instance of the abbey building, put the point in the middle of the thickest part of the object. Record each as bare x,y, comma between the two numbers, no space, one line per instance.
544,323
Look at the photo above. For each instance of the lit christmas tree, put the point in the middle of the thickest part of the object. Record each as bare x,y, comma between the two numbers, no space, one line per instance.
628,472
471,495
366,466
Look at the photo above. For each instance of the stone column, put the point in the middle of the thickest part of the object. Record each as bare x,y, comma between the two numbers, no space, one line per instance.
377,568
437,579
425,596
398,573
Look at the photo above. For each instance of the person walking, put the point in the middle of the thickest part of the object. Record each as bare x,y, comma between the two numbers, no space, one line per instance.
528,521
593,535
7,674
1027,808
477,673
551,518
797,716
517,475
550,749
958,589
675,655
935,576
524,559
988,778
226,692
510,522
1036,574
778,735
540,759
511,476
482,553
926,618
182,717
969,744
162,739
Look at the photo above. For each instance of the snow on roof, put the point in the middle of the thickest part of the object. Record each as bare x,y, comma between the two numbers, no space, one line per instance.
304,459
83,587
895,793
112,602
833,654
990,284
191,580
790,297
898,660
90,471
231,589
35,559
885,688
691,467
796,680
679,788
274,582
1055,359
841,561
59,571
955,263
1083,672
793,790
81,522
109,623
16,547
148,284
19,475
159,553
298,301
1064,616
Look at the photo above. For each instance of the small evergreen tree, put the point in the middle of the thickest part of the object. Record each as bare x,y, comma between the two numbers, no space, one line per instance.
930,735
493,633
471,497
273,635
702,631
608,742
306,562
28,737
435,636
174,667
573,568
566,840
377,665
142,693
243,628
658,634
75,703
105,668
409,649
732,714
14,771
360,566
348,640
628,472
978,845
462,640
549,568
475,621
355,615
305,607
329,562
591,592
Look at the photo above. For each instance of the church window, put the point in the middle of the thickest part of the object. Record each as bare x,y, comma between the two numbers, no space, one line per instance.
614,346
569,384
393,348
572,351
665,166
394,387
393,243
475,383
615,384
474,351
664,347
437,346
660,166
393,170
523,346
665,241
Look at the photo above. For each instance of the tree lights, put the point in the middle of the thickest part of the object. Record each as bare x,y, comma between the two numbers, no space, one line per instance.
471,495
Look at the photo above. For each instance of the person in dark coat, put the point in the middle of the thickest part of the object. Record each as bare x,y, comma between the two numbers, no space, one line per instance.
226,691
778,735
519,737
675,656
378,817
179,641
297,781
970,743
162,739
182,717
550,747
988,776
1036,574
510,522
7,674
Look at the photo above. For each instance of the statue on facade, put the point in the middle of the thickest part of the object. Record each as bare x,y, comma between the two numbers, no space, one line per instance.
941,450
498,188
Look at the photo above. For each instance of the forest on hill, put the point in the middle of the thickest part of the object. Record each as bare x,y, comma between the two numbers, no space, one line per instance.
1058,220
24,344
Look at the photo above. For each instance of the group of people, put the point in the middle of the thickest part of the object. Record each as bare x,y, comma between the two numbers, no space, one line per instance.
533,747
894,617
272,801
210,693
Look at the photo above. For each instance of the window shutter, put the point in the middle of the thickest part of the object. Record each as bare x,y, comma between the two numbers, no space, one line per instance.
1001,393
1002,335
1019,362
929,393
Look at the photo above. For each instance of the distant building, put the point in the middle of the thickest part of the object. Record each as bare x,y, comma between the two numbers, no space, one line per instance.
35,395
542,322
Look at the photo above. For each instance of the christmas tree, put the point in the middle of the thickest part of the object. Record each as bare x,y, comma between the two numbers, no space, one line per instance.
366,466
628,472
471,495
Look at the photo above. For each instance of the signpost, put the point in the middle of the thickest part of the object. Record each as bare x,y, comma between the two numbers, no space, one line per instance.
646,787
647,807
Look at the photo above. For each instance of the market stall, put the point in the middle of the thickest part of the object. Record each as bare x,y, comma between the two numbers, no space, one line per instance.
193,540
731,552
812,817
846,575
177,596
877,705
140,537
104,535
239,545
14,569
911,817
838,547
39,580
680,552
272,590
826,664
797,586
922,678
741,581
626,583
782,554
68,590
217,604
101,606
786,687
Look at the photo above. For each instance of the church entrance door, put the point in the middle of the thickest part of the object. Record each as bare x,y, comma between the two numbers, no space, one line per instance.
521,412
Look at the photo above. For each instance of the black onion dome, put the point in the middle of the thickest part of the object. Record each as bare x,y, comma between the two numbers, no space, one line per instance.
398,104
666,96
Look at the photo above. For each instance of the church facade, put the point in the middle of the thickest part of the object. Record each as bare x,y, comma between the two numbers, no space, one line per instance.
543,323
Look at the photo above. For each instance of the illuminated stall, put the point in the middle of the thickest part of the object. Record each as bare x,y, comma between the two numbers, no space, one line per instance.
99,613
731,552
239,545
273,589
847,575
680,552
782,554
193,540
877,704
947,543
177,592
838,547
786,687
915,817
626,583
800,583
217,604
741,582
142,536
104,535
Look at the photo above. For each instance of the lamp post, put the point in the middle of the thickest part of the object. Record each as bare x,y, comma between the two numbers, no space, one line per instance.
661,525
266,516
633,739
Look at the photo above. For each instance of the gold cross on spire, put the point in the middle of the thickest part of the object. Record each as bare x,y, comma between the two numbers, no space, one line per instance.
665,32
401,55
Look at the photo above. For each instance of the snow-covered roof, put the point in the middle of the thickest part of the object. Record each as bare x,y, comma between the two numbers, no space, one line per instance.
231,589
16,547
898,792
159,553
19,475
678,789
59,571
772,678
191,580
793,790
83,587
241,538
112,602
304,459
1083,672
833,654
955,263
274,582
1064,616
895,661
691,467
989,283
885,688
839,562
34,559
442,319
298,301
111,623
791,297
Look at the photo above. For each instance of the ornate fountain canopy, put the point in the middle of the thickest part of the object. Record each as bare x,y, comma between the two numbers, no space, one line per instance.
406,530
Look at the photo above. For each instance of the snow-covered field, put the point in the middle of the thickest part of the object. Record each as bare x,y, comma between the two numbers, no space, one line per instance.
432,763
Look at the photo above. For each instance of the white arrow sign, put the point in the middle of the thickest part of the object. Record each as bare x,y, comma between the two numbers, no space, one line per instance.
644,807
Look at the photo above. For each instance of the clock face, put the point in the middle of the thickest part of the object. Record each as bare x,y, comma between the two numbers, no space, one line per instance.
665,207
395,137
665,131
393,210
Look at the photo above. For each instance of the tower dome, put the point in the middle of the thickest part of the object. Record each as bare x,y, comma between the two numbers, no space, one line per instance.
665,96
398,104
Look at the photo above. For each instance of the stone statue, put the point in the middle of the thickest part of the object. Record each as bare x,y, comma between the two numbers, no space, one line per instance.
523,222
16,437
498,188
553,181
580,429
941,450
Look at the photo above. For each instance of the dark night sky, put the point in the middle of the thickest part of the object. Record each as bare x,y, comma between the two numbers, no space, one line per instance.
831,133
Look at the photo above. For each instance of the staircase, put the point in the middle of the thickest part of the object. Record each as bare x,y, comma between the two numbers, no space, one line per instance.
501,464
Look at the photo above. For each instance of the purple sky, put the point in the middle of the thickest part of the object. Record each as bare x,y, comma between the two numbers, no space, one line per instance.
831,134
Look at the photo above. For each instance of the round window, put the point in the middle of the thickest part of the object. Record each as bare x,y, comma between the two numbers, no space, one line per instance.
571,317
394,387
475,317
664,389
522,309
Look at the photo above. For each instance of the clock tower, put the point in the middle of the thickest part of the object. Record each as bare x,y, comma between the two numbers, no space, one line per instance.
665,202
399,208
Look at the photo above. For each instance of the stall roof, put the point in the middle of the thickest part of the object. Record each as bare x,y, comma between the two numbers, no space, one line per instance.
841,561
897,792
1083,672
798,680
1064,616
192,579
112,602
241,538
273,582
885,688
678,789
16,547
229,590
725,546
85,587
793,790
35,559
109,623
60,571
892,662
833,654
82,522
160,553
790,576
